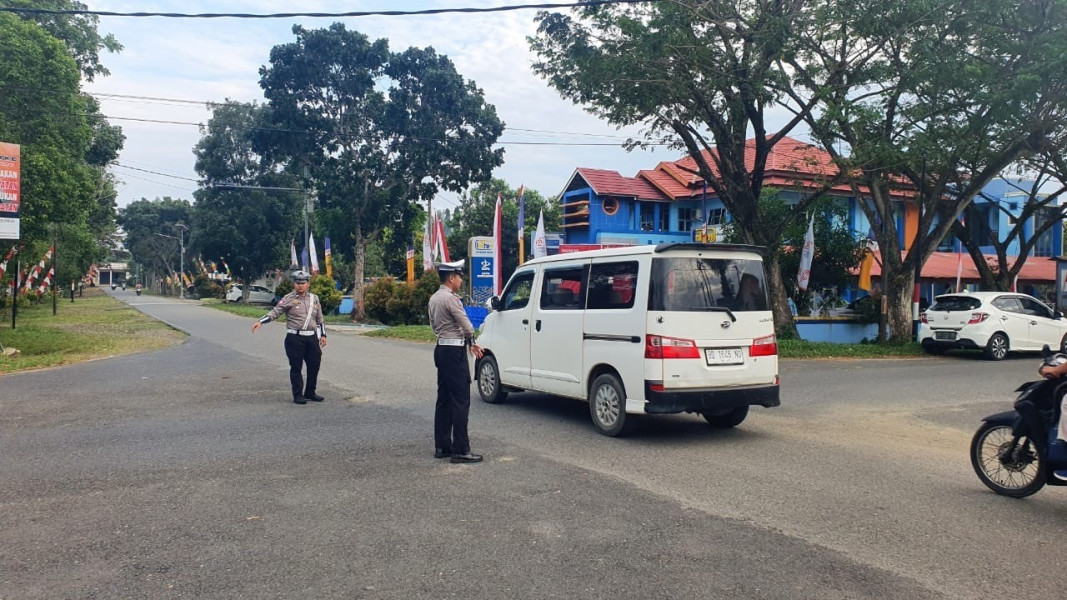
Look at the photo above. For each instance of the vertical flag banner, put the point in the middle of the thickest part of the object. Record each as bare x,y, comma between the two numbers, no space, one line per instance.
540,245
9,190
314,254
865,271
329,260
441,249
804,274
292,254
410,259
226,266
522,224
304,257
498,255
427,245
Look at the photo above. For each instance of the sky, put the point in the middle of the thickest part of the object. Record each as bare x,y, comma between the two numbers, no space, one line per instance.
203,60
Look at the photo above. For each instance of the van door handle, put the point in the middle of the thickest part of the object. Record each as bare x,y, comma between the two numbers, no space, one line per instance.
525,321
1033,322
537,324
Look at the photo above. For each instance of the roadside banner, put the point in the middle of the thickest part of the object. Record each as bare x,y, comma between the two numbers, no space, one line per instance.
314,254
292,255
498,255
522,224
409,258
9,190
329,259
804,273
540,246
481,254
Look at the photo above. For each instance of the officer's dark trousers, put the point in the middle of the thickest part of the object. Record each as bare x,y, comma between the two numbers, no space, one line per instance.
303,349
453,399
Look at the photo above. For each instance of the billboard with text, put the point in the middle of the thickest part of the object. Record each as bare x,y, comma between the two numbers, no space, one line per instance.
9,191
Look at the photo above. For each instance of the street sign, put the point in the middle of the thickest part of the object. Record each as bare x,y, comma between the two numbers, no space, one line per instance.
480,253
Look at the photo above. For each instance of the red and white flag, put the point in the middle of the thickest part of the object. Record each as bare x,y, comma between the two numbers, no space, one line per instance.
498,254
3,265
441,248
314,254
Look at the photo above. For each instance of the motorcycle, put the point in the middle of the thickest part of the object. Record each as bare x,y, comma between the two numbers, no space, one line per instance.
113,286
138,289
1013,452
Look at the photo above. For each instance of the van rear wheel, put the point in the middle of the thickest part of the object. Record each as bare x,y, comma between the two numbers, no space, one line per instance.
730,419
487,374
607,406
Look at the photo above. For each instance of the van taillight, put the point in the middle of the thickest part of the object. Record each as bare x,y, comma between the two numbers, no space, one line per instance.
764,346
978,317
661,346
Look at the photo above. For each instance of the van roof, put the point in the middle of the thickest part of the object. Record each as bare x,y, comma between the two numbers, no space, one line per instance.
657,249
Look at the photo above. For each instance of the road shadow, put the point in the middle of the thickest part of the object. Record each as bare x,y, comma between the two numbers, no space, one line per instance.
570,414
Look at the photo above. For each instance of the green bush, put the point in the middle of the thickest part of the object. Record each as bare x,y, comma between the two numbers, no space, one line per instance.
206,288
401,307
376,298
284,287
867,309
326,289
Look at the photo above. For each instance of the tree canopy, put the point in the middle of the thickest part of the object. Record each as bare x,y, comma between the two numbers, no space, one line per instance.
377,131
78,32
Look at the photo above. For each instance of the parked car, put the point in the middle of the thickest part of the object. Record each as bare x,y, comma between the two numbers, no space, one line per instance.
995,322
258,295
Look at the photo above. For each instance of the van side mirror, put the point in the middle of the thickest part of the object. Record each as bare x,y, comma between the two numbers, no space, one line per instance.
494,303
1057,314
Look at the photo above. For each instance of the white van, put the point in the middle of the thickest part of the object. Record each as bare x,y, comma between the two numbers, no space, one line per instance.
639,330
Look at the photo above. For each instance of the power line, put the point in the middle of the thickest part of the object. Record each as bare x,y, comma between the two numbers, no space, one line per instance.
155,172
321,15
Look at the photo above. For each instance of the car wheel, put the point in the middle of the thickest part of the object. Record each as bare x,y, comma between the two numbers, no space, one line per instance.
1063,344
997,348
731,419
607,406
488,376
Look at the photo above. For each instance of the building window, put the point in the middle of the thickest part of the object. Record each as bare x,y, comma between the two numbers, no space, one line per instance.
647,216
664,217
686,216
611,206
716,216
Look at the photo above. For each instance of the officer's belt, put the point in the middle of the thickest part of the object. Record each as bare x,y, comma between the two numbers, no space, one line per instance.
299,332
451,342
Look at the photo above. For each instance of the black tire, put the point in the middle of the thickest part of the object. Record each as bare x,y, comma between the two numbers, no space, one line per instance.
726,420
487,375
997,347
607,406
1063,345
1018,477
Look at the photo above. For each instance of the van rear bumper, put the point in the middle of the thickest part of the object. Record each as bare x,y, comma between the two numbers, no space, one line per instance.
701,401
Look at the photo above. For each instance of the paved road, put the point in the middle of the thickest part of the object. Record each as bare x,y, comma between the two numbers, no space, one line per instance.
188,473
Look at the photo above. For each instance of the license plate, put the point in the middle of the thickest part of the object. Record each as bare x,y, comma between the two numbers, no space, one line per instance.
724,356
945,335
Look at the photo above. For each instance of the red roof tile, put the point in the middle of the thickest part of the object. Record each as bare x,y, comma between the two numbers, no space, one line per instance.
611,183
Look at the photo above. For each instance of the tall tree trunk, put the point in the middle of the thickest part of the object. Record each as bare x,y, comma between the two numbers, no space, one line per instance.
785,327
360,264
899,295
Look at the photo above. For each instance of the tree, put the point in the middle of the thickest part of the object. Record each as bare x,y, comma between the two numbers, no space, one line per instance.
1041,207
698,75
152,232
78,32
250,228
474,217
961,91
378,131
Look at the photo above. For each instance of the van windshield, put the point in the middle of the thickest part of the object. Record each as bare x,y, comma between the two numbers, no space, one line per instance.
701,284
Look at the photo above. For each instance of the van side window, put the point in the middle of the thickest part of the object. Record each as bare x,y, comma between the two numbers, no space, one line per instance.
612,285
562,289
518,293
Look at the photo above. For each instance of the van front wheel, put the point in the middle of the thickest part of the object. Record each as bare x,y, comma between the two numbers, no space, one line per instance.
488,377
730,419
607,406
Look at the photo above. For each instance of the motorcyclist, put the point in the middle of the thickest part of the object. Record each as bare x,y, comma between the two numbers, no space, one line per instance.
1057,450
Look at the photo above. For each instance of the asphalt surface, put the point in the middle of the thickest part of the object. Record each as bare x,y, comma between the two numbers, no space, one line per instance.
188,473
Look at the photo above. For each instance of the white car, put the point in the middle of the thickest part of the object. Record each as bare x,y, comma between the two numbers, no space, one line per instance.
996,322
258,295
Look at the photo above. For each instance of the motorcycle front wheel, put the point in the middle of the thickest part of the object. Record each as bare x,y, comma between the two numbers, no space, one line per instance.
1016,470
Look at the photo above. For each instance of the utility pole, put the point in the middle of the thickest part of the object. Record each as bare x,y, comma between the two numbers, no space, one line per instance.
181,266
55,266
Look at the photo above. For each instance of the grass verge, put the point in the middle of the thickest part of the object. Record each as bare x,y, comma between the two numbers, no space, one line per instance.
95,326
786,348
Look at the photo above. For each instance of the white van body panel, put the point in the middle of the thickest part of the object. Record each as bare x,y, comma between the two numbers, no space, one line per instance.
556,347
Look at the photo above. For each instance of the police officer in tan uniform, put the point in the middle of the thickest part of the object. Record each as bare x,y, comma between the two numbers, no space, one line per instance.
455,335
305,337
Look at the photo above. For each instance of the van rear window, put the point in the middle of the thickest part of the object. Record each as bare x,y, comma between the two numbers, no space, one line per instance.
697,284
